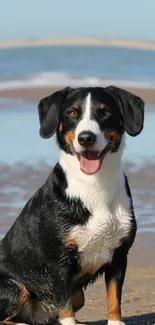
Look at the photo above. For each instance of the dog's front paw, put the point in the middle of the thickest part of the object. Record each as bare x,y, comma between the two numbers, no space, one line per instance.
115,322
21,324
67,321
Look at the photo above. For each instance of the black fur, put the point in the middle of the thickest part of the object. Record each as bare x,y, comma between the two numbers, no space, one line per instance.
132,109
48,110
34,253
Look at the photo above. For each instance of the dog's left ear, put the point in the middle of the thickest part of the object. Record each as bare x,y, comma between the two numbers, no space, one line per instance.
48,110
131,107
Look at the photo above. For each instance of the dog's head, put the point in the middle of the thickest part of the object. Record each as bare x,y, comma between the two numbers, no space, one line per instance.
89,122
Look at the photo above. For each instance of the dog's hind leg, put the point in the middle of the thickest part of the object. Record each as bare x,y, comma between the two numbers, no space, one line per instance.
13,297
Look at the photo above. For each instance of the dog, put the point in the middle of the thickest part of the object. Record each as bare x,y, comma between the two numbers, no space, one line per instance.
80,223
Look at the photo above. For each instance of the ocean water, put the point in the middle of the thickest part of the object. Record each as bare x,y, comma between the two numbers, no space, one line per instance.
61,66
76,65
19,128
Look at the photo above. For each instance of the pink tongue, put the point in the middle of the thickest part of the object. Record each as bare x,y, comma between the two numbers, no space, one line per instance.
89,162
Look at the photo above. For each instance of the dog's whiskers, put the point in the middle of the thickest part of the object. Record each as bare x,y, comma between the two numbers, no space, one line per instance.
112,144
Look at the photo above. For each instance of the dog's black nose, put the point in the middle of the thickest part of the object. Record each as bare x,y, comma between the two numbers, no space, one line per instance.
86,138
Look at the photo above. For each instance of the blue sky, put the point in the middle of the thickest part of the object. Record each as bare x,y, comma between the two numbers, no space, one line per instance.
103,18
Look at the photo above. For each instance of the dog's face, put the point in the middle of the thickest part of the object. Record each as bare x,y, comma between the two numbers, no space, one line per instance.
90,122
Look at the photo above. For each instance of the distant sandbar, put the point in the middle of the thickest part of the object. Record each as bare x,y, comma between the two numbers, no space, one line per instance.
77,41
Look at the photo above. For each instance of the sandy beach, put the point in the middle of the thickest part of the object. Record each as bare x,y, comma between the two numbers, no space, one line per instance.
35,94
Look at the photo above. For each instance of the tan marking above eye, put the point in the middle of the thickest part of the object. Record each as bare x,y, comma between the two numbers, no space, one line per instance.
102,106
75,106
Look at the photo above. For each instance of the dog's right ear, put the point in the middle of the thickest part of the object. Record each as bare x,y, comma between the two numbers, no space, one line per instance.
48,110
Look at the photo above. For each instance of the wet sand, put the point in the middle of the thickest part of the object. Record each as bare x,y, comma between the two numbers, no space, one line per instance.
35,94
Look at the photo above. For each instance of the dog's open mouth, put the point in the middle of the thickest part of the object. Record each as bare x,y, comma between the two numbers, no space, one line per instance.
90,162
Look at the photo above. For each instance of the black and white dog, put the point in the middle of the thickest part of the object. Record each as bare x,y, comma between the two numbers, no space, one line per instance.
81,222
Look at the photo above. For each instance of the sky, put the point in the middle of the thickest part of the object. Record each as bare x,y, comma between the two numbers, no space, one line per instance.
23,19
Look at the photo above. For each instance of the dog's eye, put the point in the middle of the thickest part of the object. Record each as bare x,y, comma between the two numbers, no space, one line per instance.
106,112
72,114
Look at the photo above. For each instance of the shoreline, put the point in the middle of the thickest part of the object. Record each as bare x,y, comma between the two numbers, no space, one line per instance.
79,41
35,94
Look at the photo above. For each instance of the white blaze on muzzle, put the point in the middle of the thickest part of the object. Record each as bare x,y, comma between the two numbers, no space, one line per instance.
88,124
89,161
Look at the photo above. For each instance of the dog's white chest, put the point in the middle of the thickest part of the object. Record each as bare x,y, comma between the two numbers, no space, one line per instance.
103,233
106,199
97,240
